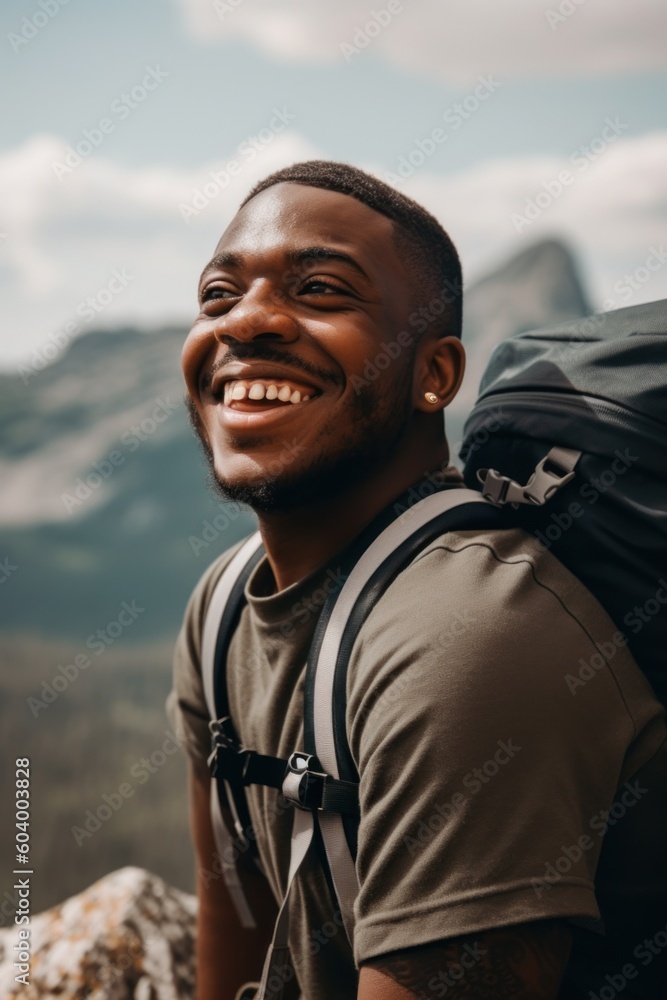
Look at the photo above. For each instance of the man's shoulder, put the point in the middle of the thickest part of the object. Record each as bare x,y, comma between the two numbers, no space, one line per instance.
492,564
476,589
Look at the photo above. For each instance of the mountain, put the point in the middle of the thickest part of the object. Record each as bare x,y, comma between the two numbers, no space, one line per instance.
537,287
105,498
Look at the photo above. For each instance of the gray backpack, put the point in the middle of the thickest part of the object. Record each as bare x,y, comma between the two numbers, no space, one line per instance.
578,413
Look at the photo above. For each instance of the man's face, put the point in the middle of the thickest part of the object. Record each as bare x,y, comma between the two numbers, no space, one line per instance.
304,288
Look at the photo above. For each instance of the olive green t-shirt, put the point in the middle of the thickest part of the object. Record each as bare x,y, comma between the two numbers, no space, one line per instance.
494,716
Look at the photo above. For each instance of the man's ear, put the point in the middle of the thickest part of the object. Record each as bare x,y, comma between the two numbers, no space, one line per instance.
439,370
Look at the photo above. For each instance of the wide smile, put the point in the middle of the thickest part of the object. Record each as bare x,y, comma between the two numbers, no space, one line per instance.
253,401
251,394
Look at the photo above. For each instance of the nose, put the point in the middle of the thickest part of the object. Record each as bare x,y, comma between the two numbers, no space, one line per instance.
263,313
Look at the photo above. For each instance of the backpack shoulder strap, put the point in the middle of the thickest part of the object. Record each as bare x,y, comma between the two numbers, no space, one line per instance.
341,619
222,616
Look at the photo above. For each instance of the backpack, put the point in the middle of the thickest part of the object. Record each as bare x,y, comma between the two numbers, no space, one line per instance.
559,409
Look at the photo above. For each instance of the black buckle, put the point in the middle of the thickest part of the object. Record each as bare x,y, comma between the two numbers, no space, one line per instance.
228,759
304,781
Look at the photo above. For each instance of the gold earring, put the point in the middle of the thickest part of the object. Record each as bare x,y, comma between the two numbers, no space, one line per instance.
430,397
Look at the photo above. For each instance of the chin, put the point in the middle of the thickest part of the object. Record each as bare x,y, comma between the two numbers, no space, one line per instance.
263,494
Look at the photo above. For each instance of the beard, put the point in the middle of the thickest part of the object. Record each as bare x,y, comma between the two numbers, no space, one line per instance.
378,422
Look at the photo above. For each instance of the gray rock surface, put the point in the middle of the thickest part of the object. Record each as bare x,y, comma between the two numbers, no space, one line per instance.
129,936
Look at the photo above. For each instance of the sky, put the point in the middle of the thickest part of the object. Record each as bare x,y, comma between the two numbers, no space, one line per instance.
131,131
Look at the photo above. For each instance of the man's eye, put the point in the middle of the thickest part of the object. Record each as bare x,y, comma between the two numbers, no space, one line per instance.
216,292
317,286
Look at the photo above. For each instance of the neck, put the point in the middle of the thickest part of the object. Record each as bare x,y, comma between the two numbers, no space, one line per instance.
301,539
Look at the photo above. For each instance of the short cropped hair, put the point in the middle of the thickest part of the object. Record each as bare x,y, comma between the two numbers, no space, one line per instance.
429,255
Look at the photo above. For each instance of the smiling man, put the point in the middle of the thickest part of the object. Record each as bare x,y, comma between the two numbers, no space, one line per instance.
317,390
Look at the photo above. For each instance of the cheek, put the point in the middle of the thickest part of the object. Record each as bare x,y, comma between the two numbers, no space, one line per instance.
193,356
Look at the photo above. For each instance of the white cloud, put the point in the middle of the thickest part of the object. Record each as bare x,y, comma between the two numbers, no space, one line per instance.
456,41
65,239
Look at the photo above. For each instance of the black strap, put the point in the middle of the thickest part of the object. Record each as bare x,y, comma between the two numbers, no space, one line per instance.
316,790
239,766
228,623
471,515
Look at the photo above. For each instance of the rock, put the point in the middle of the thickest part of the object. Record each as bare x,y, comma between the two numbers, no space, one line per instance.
129,936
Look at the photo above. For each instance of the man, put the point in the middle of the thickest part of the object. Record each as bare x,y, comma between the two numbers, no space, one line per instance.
316,386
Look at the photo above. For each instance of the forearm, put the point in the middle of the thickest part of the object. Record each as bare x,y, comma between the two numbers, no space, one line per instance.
227,954
524,962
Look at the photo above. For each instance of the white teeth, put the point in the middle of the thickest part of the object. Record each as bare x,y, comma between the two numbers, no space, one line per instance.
237,389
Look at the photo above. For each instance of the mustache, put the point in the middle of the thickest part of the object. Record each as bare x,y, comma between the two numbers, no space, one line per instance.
264,352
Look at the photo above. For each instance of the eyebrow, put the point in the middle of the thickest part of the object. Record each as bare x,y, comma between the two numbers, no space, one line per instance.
325,253
314,253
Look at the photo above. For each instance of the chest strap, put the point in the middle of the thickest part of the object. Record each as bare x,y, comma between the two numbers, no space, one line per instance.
300,777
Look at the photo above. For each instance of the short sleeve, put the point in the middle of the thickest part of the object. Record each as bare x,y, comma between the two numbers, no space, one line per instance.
186,703
481,769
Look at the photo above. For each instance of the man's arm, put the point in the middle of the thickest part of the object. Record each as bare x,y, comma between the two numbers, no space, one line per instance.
523,962
227,954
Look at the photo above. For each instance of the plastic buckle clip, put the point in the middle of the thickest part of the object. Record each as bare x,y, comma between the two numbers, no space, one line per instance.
302,785
228,759
551,472
545,481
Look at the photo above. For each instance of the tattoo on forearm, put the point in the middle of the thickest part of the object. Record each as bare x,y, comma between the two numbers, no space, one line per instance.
525,962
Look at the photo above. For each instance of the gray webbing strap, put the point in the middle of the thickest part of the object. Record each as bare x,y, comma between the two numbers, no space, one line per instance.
225,845
278,968
340,860
223,839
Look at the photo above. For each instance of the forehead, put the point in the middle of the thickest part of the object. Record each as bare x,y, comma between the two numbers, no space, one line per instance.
288,216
